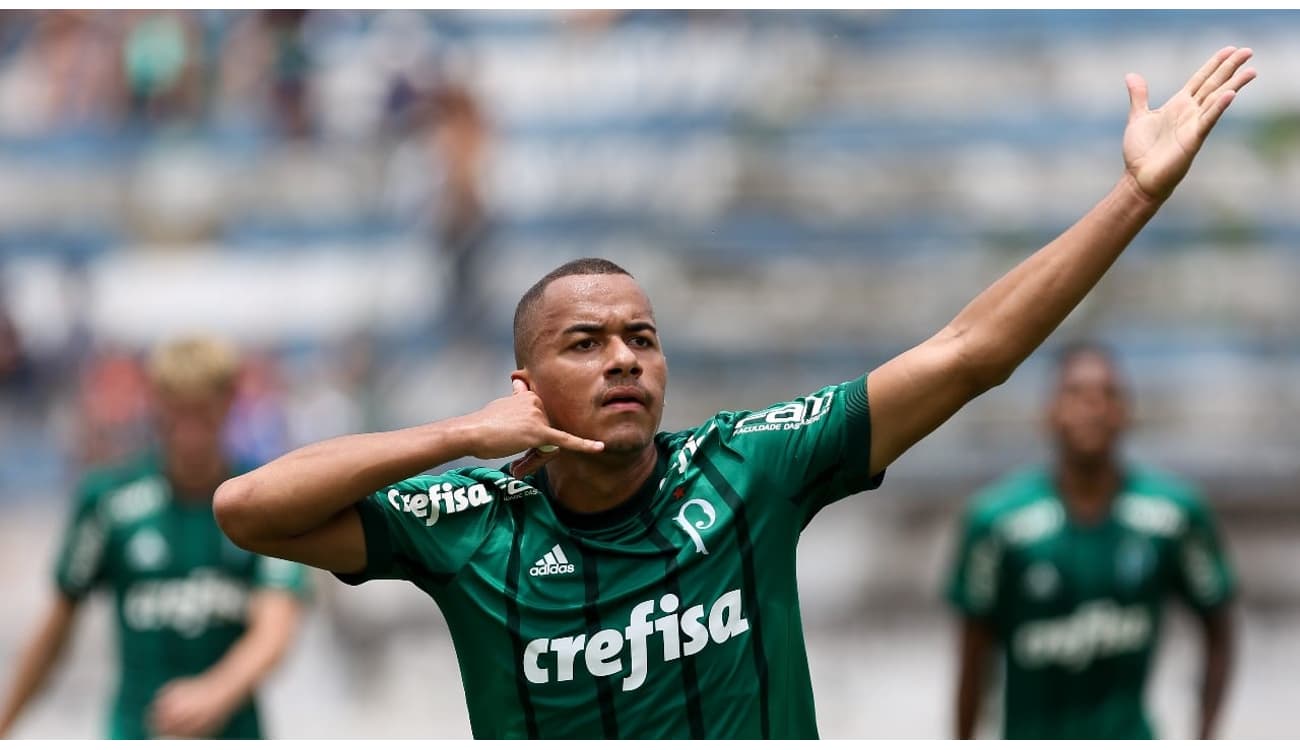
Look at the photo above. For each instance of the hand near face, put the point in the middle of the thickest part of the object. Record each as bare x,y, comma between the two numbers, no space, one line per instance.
518,423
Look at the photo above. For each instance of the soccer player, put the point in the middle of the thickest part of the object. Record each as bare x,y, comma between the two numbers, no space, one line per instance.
1065,569
617,581
200,621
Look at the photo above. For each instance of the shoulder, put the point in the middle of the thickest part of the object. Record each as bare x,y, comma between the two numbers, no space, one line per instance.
783,415
1020,504
123,492
1160,503
1011,492
458,493
1157,482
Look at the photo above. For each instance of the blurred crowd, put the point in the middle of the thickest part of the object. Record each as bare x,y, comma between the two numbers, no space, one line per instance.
346,191
102,77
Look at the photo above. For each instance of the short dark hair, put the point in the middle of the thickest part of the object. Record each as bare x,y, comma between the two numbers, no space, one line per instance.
1084,347
1067,354
525,311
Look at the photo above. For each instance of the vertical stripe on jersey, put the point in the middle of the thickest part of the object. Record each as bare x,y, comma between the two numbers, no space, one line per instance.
512,620
750,581
690,678
604,687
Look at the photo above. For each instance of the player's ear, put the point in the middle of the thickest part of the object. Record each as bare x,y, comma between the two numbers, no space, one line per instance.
522,375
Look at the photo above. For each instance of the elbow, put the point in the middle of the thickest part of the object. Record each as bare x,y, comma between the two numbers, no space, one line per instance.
232,506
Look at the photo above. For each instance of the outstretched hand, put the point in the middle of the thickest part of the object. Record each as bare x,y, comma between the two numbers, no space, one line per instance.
518,423
1159,144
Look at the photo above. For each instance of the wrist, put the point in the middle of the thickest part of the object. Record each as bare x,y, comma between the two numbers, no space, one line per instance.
461,436
1131,191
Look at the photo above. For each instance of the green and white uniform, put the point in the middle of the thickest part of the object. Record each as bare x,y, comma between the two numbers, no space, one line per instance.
1077,608
180,587
674,615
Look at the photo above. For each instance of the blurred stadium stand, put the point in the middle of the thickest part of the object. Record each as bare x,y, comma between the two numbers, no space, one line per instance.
362,196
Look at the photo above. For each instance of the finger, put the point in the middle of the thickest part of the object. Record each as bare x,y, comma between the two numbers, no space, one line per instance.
573,442
1222,73
1216,110
518,386
1239,80
1199,77
1137,93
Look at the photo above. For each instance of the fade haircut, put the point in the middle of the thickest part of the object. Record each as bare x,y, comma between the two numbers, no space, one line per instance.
526,310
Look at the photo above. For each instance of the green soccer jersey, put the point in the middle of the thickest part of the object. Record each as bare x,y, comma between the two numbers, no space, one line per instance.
180,587
1077,608
674,615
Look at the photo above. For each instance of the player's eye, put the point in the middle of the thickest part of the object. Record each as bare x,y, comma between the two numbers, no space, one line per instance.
585,345
642,341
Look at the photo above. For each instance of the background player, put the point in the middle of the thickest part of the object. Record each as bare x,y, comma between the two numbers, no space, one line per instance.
201,622
666,532
1065,569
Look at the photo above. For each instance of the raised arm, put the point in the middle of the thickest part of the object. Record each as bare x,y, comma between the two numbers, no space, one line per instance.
915,392
299,506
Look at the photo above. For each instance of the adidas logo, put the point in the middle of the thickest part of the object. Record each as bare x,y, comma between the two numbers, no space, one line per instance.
552,563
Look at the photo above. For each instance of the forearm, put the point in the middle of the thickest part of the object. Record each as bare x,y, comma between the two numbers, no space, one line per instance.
36,662
1006,322
300,491
974,650
250,660
968,703
1218,665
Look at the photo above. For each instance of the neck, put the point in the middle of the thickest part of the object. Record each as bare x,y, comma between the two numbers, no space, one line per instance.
1088,486
591,484
197,478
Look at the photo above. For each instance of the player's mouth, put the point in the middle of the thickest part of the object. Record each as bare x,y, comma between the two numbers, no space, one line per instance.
624,398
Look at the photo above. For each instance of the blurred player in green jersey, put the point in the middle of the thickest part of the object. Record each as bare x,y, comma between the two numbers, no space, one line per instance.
617,581
200,621
1065,569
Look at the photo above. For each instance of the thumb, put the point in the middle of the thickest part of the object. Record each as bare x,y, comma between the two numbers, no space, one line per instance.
518,386
1137,94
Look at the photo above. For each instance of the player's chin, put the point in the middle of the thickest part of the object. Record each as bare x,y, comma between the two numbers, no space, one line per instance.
626,439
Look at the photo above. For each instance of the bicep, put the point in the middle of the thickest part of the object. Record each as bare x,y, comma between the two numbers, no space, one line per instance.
338,545
913,393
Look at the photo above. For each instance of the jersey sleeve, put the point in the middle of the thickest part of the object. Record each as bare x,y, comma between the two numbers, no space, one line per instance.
282,575
82,556
973,581
423,529
817,447
1204,576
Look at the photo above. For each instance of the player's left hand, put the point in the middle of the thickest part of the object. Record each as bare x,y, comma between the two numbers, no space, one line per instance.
191,707
1159,144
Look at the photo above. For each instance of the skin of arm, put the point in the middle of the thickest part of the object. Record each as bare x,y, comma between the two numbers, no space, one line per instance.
199,706
38,659
976,647
1217,642
915,392
299,506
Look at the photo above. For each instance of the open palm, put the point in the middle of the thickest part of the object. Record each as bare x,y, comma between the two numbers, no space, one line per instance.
1159,144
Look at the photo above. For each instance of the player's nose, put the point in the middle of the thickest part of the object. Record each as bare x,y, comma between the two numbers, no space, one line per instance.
622,359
